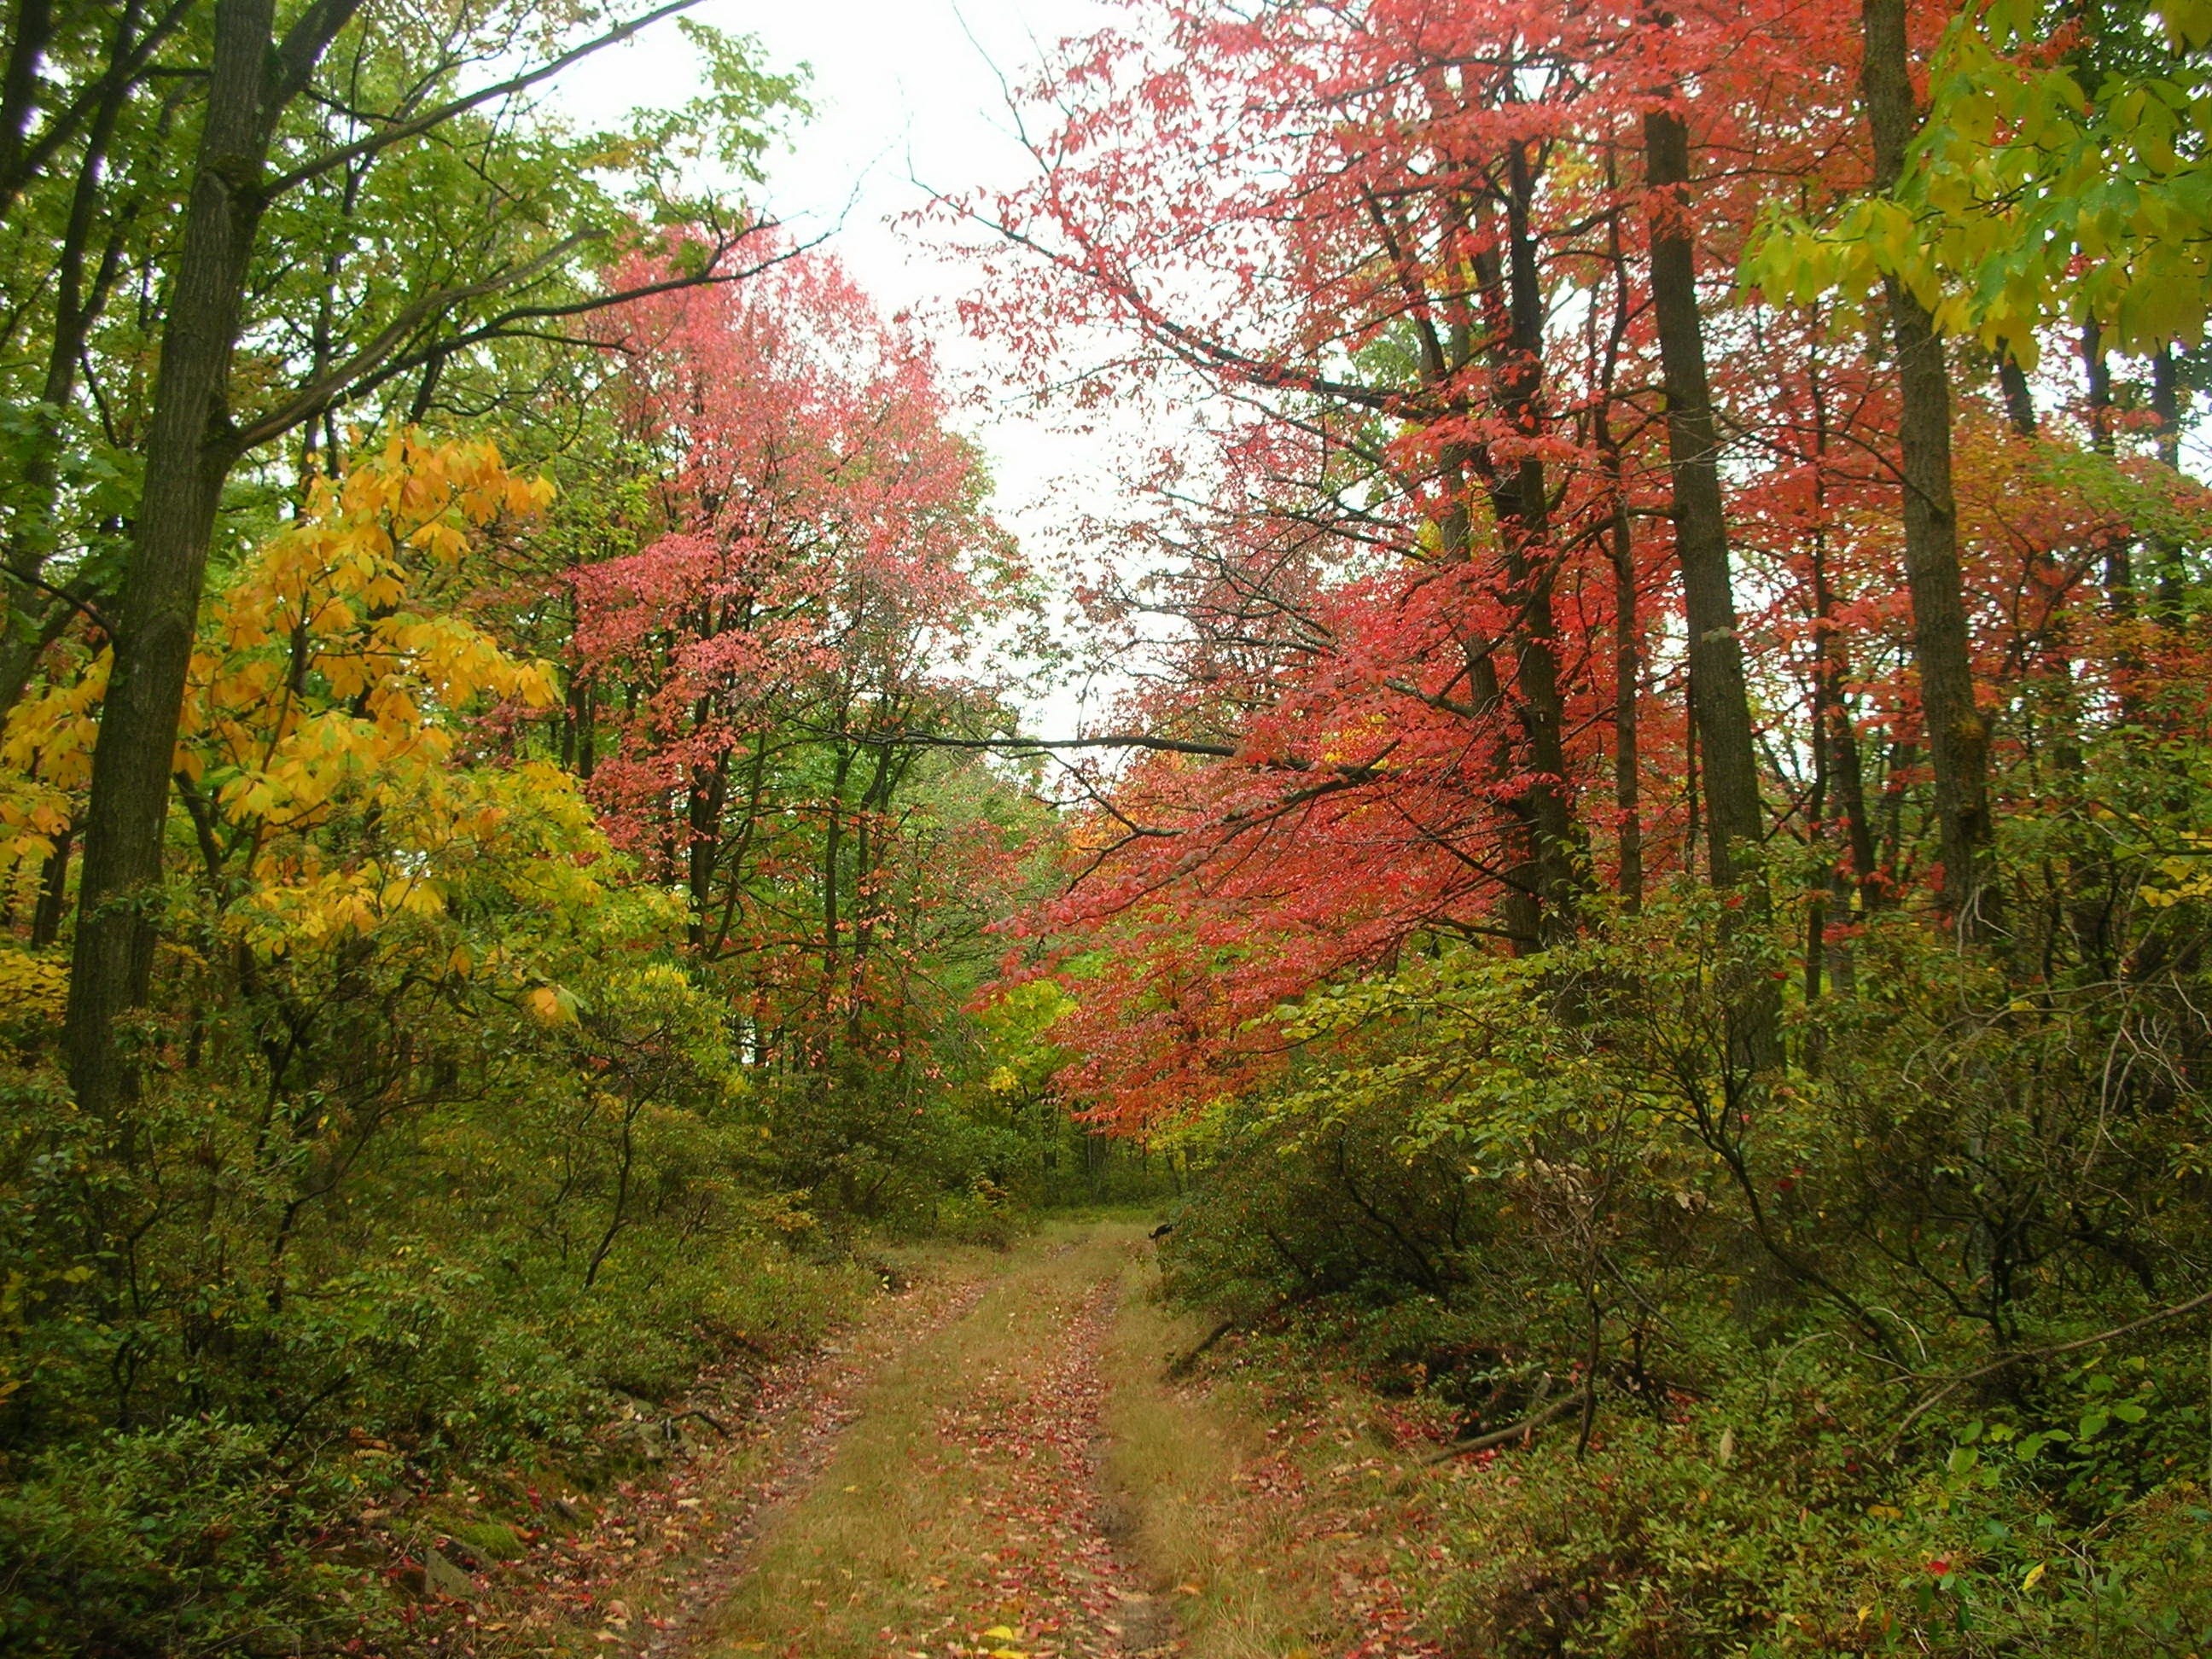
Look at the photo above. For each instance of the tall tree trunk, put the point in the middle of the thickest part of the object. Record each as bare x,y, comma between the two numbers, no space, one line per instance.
189,454
703,855
2097,371
35,615
2019,396
53,892
1957,738
1627,621
2165,547
1846,770
1736,822
1503,320
1854,890
2119,552
1552,867
1690,819
30,30
833,852
1627,671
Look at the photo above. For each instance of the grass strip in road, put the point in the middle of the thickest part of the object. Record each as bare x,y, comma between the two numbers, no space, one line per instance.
961,1512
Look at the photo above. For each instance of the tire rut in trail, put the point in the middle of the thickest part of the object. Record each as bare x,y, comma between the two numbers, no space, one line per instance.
704,1519
1089,1605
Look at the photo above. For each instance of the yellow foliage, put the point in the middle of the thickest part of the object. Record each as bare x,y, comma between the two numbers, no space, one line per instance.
34,989
323,707
2187,876
551,1005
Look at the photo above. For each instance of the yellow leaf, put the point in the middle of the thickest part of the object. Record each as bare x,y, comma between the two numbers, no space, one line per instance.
2034,1576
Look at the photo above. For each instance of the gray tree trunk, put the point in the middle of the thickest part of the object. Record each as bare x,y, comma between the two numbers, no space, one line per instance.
189,454
1958,738
1736,821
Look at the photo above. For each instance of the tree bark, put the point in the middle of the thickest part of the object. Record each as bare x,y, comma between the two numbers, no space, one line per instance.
2119,548
2170,572
1551,871
190,450
1627,672
1957,737
1736,821
2019,396
53,892
1627,621
32,614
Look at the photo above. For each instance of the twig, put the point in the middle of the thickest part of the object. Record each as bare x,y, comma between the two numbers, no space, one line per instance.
1528,1425
1182,1367
1259,1322
2056,1348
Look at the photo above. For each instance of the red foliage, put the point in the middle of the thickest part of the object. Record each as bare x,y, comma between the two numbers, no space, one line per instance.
823,578
1400,243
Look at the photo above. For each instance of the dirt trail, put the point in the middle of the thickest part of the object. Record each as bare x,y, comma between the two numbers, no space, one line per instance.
995,1467
963,1511
643,1580
803,1416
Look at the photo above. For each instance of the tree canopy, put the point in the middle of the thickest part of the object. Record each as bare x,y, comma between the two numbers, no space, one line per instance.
1640,877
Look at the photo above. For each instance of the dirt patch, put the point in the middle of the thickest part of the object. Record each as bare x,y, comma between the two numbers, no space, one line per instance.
1146,1626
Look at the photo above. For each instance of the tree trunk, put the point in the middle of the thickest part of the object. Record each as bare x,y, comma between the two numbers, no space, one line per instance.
35,615
53,892
188,454
2119,551
2019,396
1736,822
1846,770
1552,868
2171,573
1627,671
1627,620
1958,739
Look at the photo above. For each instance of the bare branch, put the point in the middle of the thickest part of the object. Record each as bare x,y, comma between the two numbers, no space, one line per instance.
401,130
313,398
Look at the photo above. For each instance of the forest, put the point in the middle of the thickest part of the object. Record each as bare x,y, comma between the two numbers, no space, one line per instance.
1594,1042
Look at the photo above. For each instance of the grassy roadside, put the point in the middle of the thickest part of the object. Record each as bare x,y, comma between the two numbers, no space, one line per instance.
1279,1513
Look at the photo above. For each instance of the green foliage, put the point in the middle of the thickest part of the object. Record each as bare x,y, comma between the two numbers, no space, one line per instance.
2043,189
1763,1521
1893,1351
448,1154
170,1541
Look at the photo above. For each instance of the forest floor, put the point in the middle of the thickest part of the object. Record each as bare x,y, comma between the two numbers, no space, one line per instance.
994,1462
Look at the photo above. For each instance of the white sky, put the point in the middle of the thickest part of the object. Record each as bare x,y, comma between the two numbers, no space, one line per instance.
908,99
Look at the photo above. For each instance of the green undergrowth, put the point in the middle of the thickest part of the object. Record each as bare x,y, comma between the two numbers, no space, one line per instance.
1899,1346
220,1532
1772,1517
